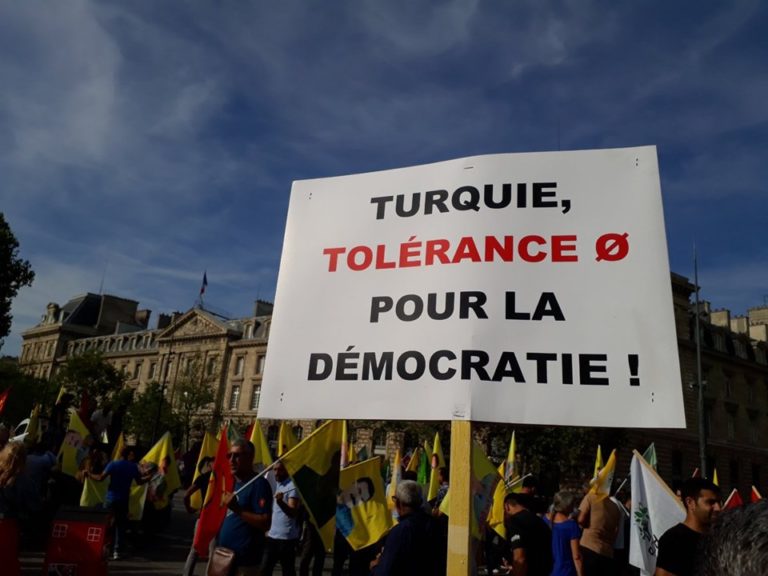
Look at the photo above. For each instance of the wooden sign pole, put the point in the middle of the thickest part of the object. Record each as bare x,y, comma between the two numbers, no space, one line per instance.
459,563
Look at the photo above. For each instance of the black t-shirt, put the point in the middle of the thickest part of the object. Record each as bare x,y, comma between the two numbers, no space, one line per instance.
528,531
679,550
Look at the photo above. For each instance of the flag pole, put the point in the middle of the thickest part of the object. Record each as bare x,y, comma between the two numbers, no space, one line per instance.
459,563
259,475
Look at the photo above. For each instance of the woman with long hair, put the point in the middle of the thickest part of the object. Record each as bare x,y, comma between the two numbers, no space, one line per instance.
12,458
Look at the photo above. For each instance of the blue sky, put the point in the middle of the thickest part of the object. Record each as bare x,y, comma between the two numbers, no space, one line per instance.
156,140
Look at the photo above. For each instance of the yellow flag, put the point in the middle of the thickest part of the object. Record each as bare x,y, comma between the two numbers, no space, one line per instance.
207,450
314,466
362,515
715,481
94,493
262,458
119,445
509,473
485,479
598,463
72,449
162,455
438,461
352,453
396,478
33,428
602,483
413,463
286,440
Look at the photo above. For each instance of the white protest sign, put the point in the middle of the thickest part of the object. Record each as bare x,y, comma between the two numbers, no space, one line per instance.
526,288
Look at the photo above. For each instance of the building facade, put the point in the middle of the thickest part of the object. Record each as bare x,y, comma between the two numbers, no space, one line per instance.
232,353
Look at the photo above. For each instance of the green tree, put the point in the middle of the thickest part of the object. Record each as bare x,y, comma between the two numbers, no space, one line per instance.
150,411
90,374
193,393
25,392
14,274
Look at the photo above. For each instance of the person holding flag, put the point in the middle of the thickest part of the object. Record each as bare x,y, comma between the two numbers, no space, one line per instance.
285,529
250,511
600,518
121,474
680,546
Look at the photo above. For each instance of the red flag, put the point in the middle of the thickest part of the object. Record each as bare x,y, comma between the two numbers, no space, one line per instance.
733,501
754,495
3,399
213,511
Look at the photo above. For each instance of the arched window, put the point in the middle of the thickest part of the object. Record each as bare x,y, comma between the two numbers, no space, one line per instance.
380,441
298,431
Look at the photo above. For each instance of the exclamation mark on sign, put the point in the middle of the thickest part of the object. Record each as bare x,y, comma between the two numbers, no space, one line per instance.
633,366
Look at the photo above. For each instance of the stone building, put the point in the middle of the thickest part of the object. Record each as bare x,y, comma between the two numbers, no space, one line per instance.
734,355
232,354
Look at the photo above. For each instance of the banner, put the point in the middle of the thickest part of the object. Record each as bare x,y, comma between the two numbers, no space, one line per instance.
655,509
467,285
362,515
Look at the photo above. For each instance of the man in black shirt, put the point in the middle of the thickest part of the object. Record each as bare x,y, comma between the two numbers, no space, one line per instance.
679,547
529,538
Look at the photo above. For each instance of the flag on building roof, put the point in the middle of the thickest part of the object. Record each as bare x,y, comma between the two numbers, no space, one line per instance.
754,495
655,509
733,501
314,465
204,284
214,510
437,462
362,515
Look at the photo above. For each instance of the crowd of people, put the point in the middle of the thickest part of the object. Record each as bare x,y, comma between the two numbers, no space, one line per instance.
267,525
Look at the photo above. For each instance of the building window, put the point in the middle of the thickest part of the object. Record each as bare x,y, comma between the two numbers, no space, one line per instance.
210,367
298,431
168,368
249,331
136,370
754,431
756,475
728,386
234,398
239,363
751,392
273,433
152,370
255,397
260,364
380,441
731,426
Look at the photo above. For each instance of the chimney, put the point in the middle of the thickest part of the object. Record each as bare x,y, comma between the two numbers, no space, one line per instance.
142,317
163,321
262,308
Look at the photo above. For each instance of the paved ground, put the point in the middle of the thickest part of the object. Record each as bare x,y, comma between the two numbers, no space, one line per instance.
164,554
